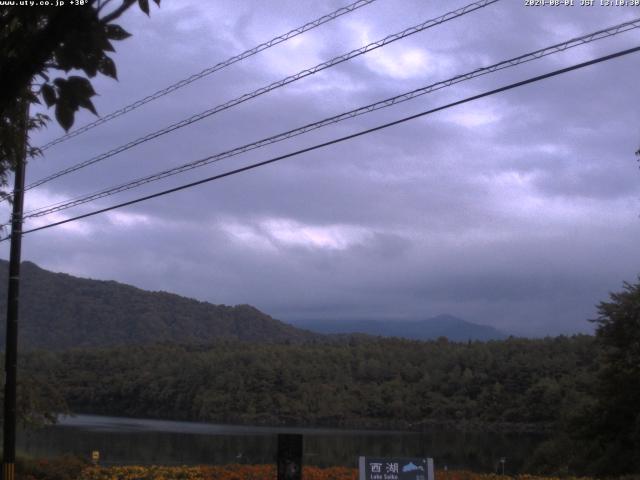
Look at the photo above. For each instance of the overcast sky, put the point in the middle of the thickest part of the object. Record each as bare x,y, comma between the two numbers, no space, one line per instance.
520,210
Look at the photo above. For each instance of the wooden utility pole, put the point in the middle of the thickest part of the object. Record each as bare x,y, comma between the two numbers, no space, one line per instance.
11,350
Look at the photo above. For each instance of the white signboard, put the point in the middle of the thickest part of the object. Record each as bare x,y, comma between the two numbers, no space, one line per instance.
375,468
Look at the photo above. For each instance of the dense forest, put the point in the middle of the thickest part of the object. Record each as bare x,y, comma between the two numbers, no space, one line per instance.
512,384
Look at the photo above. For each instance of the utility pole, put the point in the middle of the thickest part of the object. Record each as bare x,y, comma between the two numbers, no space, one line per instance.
11,350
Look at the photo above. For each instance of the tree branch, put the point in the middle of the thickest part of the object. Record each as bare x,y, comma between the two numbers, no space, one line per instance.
126,4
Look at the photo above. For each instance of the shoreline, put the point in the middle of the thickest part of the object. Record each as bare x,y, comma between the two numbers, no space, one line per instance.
371,426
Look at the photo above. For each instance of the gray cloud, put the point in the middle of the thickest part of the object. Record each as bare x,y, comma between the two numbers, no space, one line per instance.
519,210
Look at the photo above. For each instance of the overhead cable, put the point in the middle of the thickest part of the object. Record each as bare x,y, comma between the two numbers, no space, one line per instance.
512,62
337,140
208,71
281,83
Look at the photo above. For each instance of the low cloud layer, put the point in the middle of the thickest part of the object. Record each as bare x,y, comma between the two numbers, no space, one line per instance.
519,210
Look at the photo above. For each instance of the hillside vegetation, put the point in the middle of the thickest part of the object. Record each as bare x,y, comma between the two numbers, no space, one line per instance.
59,311
448,326
513,384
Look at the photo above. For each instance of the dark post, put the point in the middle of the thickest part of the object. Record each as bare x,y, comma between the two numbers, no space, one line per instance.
289,457
11,350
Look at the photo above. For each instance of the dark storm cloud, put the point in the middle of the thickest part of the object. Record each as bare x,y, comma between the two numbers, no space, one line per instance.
518,210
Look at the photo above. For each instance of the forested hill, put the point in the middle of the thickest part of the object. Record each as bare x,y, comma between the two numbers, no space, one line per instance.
60,311
372,383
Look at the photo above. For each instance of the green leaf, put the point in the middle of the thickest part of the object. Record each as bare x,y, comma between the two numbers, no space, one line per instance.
116,32
49,94
81,86
108,67
32,97
107,47
144,6
64,59
90,64
64,115
88,104
73,93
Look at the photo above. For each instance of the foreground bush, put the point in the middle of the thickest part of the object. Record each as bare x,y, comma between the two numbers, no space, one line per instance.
225,472
66,467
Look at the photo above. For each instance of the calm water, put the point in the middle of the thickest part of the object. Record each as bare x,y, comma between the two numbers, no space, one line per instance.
137,441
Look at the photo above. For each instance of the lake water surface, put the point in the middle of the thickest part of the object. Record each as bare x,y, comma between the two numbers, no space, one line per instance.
140,441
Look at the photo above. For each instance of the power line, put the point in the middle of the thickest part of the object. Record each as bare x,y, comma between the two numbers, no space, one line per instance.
208,71
339,140
302,74
292,78
600,34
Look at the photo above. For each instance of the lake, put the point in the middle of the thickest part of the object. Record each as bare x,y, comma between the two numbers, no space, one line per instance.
141,441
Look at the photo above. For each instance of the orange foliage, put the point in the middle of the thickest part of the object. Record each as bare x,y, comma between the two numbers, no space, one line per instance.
262,472
207,472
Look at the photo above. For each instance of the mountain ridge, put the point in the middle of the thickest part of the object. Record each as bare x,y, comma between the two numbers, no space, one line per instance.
61,311
444,325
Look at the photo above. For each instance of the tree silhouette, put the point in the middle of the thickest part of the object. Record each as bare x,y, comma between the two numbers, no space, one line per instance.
39,47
